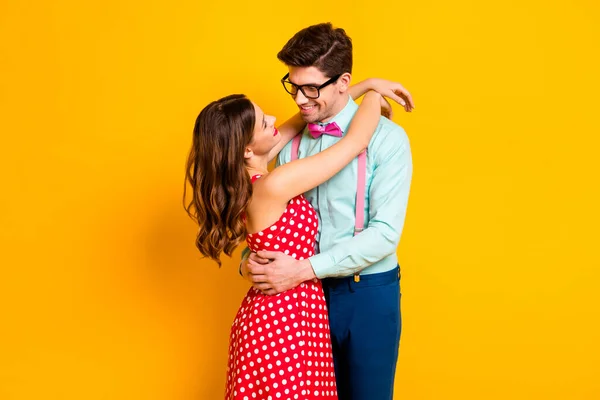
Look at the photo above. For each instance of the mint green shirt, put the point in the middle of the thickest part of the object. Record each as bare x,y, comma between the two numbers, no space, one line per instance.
389,173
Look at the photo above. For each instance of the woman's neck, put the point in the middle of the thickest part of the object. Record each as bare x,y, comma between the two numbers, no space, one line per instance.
256,166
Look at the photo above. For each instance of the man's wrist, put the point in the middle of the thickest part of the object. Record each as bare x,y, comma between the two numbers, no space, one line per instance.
306,270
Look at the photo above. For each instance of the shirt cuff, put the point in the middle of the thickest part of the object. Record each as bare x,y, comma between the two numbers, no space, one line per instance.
323,265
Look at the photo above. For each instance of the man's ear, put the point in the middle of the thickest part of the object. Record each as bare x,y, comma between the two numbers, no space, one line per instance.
344,82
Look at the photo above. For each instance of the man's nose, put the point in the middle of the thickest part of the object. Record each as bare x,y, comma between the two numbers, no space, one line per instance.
300,98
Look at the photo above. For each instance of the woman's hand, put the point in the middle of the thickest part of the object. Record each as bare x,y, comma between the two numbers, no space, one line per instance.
391,90
387,89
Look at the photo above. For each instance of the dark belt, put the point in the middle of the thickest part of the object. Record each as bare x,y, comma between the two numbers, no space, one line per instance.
380,278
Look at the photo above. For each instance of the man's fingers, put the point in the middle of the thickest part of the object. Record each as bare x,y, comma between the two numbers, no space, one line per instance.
263,287
268,254
258,278
256,258
255,269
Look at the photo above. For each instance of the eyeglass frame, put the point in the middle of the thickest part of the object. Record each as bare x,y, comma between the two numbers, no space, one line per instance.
301,87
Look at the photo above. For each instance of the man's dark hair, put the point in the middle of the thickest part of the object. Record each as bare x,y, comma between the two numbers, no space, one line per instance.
322,46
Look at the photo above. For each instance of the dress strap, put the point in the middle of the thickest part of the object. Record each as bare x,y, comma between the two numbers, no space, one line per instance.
255,177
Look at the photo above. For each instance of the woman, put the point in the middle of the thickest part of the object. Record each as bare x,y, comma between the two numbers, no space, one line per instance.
279,345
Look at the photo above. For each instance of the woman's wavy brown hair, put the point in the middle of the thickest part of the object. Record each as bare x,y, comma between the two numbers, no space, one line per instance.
217,175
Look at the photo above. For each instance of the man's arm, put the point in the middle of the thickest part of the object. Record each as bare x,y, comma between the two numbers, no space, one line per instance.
282,273
388,201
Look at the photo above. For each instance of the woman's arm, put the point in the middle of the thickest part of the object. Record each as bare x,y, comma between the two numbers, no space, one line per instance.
357,90
389,89
287,130
385,88
299,176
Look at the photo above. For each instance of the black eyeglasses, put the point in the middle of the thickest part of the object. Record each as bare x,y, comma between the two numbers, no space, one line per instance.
309,91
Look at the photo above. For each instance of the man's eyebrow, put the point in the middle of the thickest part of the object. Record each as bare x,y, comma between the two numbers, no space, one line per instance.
306,84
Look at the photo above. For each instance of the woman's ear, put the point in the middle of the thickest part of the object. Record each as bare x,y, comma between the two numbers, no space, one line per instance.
248,153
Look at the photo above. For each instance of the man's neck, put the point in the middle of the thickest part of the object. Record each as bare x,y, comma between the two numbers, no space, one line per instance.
340,105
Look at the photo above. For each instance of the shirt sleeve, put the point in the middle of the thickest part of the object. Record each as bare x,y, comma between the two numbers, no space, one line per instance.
388,200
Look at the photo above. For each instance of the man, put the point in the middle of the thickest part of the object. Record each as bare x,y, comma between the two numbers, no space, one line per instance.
358,267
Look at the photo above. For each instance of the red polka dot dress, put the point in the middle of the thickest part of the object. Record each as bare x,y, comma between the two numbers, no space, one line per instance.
280,346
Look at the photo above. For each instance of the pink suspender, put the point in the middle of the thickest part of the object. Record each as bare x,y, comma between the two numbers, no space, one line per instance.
359,224
295,146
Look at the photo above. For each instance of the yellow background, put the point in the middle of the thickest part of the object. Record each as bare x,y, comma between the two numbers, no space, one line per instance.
102,293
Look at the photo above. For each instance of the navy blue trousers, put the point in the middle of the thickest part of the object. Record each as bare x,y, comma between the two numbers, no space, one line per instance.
365,323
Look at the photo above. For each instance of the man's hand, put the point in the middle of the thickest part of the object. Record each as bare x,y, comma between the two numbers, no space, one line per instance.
274,272
245,265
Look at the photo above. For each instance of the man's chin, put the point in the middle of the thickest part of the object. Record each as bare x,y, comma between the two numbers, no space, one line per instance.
310,119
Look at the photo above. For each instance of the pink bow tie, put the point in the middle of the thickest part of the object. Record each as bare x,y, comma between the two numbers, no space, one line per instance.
317,130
